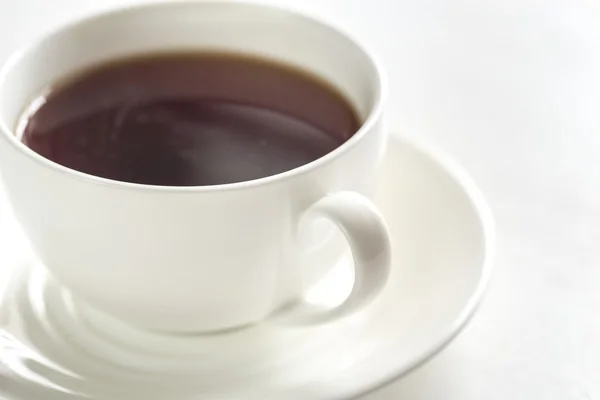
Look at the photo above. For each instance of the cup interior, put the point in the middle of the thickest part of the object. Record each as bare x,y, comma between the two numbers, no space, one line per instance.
264,31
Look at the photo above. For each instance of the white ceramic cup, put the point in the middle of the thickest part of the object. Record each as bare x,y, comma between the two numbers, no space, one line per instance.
185,259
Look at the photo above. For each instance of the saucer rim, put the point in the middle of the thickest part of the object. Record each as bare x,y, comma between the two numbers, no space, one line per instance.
459,175
395,369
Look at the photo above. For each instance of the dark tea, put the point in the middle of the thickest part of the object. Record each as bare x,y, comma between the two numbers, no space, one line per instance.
189,119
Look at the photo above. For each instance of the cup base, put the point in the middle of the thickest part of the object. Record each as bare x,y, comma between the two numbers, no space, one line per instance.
117,342
67,318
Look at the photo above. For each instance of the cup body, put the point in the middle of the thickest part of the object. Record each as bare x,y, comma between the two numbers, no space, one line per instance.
183,259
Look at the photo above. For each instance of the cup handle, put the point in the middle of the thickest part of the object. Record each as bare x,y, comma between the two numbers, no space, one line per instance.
368,236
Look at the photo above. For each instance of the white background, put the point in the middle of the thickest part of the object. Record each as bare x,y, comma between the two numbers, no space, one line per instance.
511,89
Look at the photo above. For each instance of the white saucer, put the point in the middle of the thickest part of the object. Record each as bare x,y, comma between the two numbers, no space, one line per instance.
443,244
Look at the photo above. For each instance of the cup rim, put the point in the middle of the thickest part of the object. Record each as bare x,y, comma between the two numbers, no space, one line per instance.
372,118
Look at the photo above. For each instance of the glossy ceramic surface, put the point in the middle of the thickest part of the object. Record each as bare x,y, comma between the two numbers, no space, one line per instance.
205,258
53,348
